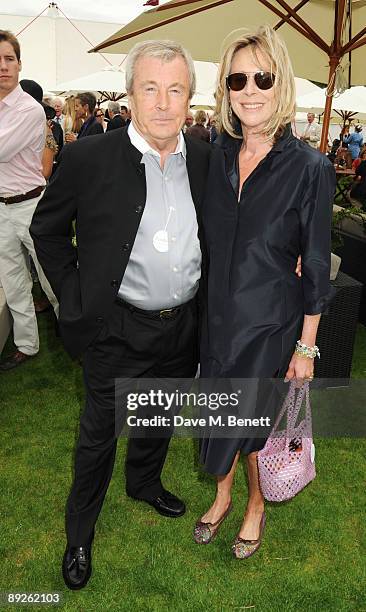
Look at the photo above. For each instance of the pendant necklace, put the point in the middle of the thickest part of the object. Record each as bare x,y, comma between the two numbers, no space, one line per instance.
160,238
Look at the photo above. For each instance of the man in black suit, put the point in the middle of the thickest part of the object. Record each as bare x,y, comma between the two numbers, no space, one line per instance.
128,295
85,104
126,115
115,119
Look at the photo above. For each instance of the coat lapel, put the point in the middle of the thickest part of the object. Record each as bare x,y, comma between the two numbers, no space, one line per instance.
136,187
197,168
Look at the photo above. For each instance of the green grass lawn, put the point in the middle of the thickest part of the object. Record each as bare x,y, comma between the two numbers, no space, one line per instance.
313,555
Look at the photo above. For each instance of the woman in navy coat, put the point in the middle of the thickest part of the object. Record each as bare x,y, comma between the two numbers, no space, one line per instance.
269,199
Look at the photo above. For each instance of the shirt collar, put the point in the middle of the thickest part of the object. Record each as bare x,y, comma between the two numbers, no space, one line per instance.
225,141
143,146
282,142
12,98
87,122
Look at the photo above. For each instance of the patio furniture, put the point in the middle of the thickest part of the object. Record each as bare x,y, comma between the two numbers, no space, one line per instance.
353,254
342,187
337,331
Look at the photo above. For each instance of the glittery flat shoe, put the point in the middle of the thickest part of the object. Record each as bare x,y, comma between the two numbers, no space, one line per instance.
242,549
204,533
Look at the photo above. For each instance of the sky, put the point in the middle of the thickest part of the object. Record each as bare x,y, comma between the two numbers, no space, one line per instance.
109,11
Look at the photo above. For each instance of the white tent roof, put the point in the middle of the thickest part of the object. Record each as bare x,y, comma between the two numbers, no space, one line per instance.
110,78
352,100
54,50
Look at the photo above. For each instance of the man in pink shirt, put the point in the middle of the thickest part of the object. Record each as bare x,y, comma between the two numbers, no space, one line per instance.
22,141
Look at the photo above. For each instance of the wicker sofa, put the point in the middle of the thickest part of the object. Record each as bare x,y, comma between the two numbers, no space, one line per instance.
353,254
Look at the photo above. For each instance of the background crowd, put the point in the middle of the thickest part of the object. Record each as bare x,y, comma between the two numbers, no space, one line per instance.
78,116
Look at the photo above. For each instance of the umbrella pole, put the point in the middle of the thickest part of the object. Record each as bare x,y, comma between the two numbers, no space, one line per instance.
333,63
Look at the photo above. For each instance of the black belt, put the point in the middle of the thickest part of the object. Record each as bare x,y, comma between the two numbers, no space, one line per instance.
164,313
33,193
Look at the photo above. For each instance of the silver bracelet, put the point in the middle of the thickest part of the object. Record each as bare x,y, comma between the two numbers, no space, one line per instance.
307,351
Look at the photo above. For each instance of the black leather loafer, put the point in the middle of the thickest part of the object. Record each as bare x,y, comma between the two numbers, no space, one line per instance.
76,567
166,504
14,360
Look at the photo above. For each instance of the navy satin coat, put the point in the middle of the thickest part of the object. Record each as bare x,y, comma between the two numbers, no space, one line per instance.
256,303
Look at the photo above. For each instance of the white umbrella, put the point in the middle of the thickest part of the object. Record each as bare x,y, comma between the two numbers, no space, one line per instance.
108,83
206,75
304,87
203,100
353,101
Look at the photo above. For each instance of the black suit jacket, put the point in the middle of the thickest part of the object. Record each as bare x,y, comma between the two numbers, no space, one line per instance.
116,122
101,183
92,129
58,135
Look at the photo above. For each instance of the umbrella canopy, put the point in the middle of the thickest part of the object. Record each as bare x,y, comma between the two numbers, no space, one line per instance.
304,87
109,83
203,100
324,37
352,101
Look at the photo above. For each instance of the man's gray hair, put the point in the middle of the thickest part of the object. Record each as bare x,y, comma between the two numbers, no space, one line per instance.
114,107
166,51
55,100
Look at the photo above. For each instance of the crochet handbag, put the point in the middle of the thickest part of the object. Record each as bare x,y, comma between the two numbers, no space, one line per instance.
286,463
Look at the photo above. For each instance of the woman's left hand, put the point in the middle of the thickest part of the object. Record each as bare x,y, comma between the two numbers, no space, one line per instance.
301,368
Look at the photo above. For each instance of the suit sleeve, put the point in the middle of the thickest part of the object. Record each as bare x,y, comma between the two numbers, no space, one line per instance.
51,227
361,170
96,128
316,134
315,222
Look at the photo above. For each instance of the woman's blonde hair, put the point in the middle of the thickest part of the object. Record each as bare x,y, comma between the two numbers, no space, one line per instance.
71,124
266,41
200,117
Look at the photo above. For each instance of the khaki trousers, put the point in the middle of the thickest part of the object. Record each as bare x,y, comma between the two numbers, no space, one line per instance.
15,245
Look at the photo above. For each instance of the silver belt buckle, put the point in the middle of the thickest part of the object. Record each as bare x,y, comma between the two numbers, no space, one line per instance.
167,313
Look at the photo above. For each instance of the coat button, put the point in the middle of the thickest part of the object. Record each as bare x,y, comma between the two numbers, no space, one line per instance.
114,283
140,171
126,247
139,209
99,319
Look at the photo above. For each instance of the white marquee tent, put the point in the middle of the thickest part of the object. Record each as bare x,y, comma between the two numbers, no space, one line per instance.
54,50
352,100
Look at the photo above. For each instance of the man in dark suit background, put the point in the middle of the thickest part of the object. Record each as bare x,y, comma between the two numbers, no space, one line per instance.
125,114
85,104
115,119
128,295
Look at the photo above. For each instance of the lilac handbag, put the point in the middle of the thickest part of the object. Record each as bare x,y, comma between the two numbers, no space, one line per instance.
286,463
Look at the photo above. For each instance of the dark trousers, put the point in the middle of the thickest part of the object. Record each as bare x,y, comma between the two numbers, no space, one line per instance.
130,345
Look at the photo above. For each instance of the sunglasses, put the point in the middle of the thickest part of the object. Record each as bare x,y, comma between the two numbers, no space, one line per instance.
100,115
238,80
